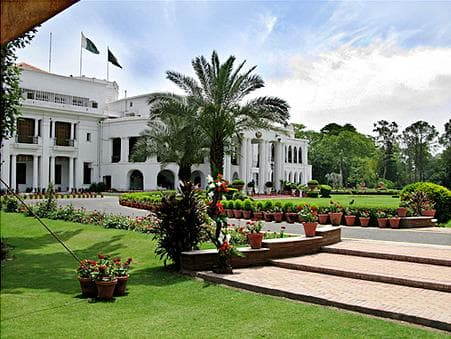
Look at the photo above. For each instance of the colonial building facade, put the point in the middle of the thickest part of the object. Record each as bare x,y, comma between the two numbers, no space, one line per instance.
74,131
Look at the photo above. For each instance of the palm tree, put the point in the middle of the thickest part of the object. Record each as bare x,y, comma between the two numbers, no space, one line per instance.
172,137
216,97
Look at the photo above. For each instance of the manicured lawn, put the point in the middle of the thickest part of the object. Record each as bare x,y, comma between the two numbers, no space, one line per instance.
40,296
368,201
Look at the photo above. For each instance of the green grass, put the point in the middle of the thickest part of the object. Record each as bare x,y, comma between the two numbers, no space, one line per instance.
367,201
40,296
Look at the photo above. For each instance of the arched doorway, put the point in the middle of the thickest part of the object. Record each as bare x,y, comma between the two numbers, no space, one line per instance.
136,181
198,179
165,179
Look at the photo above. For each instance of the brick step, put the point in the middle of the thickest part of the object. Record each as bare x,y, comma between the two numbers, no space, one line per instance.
411,274
417,253
421,306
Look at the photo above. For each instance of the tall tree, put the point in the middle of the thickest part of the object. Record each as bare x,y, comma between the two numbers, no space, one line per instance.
217,94
418,140
173,135
387,138
10,78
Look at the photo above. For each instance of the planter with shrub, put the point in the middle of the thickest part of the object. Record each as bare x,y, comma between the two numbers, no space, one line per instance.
238,209
258,213
325,191
381,217
309,221
278,212
248,208
268,213
254,235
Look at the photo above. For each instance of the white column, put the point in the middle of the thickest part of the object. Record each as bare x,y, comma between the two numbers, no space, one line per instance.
52,170
13,172
71,173
227,164
35,172
243,158
53,130
278,158
249,160
36,127
72,131
305,154
124,149
262,169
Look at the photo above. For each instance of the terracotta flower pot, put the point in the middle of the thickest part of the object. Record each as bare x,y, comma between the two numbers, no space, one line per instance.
350,220
88,287
428,213
364,221
258,215
229,213
292,217
394,222
402,211
278,216
310,228
268,216
382,222
105,289
323,218
335,218
247,214
238,214
119,289
255,240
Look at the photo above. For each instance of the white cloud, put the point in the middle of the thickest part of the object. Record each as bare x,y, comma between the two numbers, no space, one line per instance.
366,84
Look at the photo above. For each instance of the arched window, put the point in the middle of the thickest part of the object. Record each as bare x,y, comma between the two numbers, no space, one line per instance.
295,179
290,156
295,155
286,159
300,155
272,152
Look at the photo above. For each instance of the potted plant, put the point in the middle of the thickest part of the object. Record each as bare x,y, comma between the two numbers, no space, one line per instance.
250,187
417,202
238,209
120,270
258,213
278,211
248,208
268,212
87,284
309,221
394,221
238,184
364,217
323,215
349,216
228,207
381,219
290,213
104,277
254,235
312,184
402,210
268,187
335,213
428,209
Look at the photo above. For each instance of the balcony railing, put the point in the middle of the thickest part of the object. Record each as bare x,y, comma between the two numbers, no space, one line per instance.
26,139
115,158
64,142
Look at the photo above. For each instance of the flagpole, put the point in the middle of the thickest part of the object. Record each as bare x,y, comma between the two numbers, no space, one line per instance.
50,53
107,66
81,50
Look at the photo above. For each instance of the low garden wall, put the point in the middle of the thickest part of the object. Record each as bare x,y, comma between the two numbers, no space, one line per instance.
202,260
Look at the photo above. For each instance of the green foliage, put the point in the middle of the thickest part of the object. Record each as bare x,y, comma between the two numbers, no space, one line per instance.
277,207
268,206
11,203
439,195
238,204
259,206
248,205
238,182
313,182
97,187
312,194
325,190
10,78
288,207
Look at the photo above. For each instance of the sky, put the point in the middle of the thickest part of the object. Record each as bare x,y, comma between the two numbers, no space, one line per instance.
343,62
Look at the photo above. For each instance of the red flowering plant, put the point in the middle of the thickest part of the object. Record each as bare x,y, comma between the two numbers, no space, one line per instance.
121,268
104,270
86,268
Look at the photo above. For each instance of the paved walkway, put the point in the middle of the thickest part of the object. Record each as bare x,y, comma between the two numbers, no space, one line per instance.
423,306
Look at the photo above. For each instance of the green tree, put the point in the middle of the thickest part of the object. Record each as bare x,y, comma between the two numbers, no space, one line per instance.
418,140
10,75
387,136
216,96
173,135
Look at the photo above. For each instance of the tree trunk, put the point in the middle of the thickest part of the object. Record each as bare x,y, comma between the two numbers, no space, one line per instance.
217,155
184,172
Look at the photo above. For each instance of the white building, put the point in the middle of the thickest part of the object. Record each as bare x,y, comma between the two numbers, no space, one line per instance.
74,131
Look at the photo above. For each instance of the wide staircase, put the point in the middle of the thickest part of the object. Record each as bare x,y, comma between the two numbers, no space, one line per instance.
409,282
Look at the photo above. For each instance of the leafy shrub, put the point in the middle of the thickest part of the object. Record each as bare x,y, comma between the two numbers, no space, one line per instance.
226,204
259,206
239,196
238,205
267,205
238,182
288,207
11,204
312,194
182,224
325,191
230,192
313,182
247,205
278,206
439,195
268,184
97,187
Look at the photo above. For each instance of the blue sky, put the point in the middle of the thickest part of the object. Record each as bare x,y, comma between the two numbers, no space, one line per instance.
354,62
